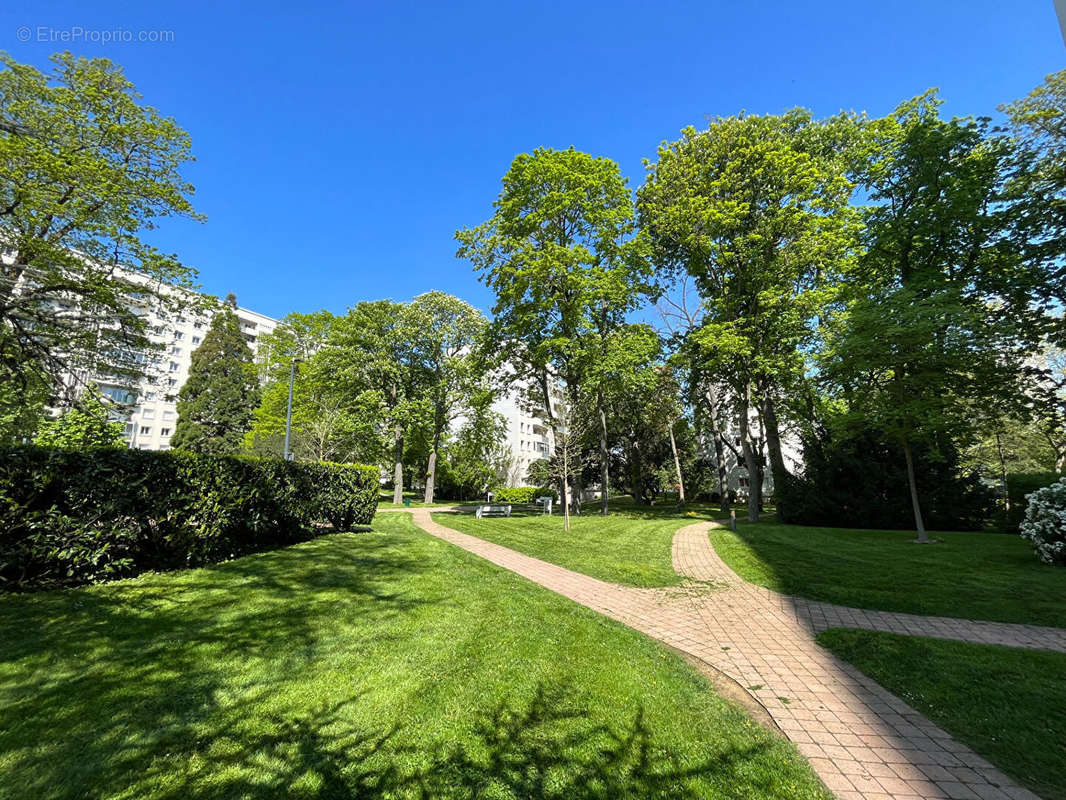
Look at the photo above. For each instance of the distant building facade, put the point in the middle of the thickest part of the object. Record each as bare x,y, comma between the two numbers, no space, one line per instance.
152,403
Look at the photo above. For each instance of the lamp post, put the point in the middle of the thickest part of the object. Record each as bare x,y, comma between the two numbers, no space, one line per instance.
288,412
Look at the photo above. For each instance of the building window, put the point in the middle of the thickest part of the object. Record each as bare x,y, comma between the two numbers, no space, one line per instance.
175,351
148,413
149,396
196,340
178,336
164,431
146,430
168,415
174,366
198,325
171,382
120,395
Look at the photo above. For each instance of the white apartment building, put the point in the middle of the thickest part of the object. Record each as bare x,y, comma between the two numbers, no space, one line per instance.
153,402
529,438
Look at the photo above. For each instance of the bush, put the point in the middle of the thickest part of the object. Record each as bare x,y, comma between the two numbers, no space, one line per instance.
520,495
1045,522
69,517
1019,486
859,480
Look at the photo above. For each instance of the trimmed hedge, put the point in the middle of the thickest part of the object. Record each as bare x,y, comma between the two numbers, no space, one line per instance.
69,517
520,495
1019,485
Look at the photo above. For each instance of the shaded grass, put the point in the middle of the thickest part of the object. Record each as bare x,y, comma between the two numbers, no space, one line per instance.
984,576
1008,704
630,547
383,664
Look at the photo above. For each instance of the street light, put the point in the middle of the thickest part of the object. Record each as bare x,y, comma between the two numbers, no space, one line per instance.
288,413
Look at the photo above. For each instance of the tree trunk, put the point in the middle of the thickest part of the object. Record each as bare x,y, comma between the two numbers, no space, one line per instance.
677,468
919,525
431,468
566,488
749,453
719,446
430,474
773,443
397,469
603,455
1002,472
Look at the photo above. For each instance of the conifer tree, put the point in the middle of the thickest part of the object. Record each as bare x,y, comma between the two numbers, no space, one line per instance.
216,404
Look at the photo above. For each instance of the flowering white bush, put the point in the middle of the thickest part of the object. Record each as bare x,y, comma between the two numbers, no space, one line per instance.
1045,522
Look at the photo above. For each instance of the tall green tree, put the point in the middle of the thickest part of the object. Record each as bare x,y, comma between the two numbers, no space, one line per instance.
88,168
328,423
477,457
446,348
940,315
371,352
1037,183
560,254
217,401
756,210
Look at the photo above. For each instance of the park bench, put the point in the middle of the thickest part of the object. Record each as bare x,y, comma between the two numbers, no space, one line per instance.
492,511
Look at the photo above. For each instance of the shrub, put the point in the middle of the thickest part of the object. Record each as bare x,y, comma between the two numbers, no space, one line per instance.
70,516
859,480
342,494
520,495
1019,486
1045,522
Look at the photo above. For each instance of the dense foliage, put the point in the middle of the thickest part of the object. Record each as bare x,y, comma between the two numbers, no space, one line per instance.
71,517
88,167
86,425
216,402
855,479
1045,522
1019,486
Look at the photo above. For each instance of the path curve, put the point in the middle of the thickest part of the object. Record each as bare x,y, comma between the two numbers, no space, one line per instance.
695,557
863,741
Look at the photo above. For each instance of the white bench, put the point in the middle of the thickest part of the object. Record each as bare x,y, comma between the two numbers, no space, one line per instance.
545,504
492,511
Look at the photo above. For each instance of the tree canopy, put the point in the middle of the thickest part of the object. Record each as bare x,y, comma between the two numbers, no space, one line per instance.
88,169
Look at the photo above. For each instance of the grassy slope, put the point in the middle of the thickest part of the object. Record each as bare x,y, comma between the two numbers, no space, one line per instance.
1008,705
975,575
378,664
630,547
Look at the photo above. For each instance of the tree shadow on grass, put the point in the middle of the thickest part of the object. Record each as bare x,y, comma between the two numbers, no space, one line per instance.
546,747
95,683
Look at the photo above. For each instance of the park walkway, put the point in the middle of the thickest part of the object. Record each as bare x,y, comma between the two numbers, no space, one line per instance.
863,741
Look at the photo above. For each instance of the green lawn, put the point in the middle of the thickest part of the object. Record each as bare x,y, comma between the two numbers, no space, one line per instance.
1009,705
383,664
989,576
415,498
628,546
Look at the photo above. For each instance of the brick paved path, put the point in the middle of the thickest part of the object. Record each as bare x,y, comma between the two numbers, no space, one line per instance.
863,741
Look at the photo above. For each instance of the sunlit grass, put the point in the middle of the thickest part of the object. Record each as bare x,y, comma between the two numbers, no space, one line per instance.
383,664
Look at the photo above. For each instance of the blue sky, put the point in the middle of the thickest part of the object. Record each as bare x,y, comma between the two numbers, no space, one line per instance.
340,146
